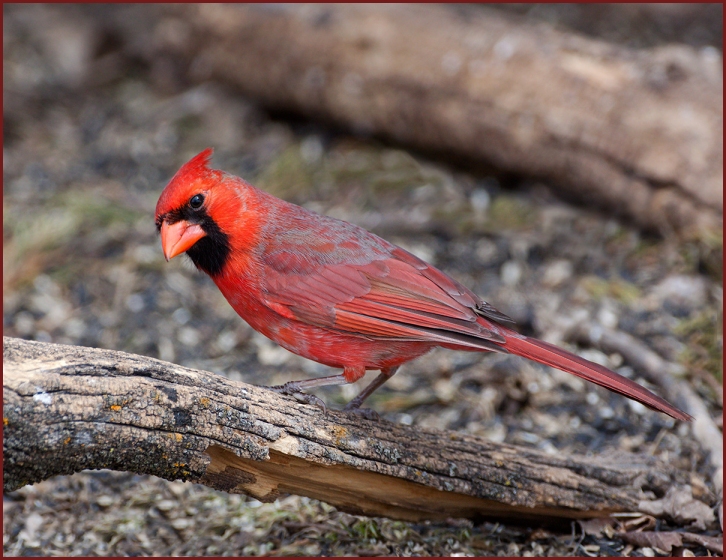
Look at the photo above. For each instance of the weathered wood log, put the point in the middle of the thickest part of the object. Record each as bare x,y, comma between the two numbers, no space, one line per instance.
68,408
638,132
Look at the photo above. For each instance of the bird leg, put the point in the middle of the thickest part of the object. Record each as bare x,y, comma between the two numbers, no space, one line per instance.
354,405
296,388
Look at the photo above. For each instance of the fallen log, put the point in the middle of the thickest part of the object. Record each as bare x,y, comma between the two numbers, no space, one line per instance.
69,408
636,132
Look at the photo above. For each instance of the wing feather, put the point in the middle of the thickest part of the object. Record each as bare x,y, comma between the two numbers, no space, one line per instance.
415,317
396,331
454,289
399,297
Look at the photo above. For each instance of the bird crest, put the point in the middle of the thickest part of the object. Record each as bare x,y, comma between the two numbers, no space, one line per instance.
193,176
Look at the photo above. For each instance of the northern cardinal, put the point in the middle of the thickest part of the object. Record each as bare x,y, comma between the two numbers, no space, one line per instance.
335,293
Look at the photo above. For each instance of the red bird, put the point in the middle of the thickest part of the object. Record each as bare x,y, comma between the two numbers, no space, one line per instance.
335,293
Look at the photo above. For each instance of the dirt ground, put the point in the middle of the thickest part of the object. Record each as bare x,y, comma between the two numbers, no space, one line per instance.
91,138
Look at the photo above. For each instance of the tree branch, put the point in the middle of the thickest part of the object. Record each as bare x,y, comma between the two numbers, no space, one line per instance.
68,408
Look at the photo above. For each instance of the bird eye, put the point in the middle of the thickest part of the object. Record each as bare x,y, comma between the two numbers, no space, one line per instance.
196,201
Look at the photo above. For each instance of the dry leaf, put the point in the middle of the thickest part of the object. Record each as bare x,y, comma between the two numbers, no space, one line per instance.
679,505
642,523
714,544
597,527
662,541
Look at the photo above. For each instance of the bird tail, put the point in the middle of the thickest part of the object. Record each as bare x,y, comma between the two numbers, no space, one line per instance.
550,355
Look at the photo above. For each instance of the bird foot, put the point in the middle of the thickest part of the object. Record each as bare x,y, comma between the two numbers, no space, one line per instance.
292,389
367,413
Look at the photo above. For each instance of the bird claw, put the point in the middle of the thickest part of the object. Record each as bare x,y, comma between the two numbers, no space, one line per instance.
310,399
292,389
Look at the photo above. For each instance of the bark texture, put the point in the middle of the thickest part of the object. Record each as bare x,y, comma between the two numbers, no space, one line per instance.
636,132
68,408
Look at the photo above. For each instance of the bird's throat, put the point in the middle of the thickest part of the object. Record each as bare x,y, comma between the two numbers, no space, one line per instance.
211,253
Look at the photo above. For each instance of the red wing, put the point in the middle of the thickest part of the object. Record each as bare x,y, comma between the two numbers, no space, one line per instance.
454,289
389,298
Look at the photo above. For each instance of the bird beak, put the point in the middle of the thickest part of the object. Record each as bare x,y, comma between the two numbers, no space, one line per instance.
179,237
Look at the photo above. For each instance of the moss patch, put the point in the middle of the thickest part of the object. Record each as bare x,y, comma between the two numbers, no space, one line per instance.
616,288
703,335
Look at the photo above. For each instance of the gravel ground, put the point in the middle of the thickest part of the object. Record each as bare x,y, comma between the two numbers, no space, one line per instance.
88,148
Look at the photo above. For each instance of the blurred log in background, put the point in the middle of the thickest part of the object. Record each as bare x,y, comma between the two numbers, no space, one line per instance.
638,133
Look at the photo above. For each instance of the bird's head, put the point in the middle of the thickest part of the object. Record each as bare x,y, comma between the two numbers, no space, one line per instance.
198,213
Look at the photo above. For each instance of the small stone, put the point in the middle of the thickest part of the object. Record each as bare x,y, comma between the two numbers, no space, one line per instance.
75,327
529,438
607,316
135,303
405,419
181,315
636,407
166,505
24,323
486,251
43,284
105,501
311,149
496,433
511,273
557,272
33,523
616,359
181,523
54,309
480,200
269,353
188,336
444,390
226,341
606,413
548,447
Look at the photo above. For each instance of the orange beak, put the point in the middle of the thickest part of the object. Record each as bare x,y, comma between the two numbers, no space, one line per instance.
179,237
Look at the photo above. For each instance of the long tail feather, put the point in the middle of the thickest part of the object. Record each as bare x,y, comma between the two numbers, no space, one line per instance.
548,354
